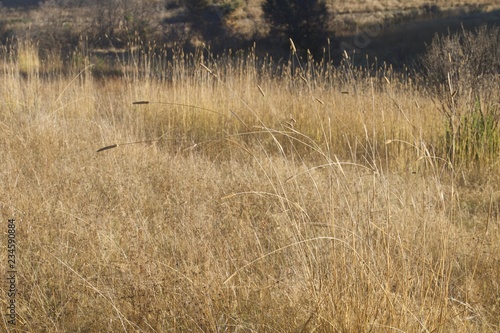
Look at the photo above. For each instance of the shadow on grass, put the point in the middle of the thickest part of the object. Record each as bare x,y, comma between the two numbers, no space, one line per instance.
401,44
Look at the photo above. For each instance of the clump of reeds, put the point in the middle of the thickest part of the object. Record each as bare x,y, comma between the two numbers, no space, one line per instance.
461,72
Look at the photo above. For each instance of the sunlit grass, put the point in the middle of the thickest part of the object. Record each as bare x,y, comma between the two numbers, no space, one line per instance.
242,197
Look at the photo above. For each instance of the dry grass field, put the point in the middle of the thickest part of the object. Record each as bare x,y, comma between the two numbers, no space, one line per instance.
240,199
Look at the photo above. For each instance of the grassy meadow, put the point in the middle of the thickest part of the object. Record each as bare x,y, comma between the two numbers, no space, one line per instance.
240,197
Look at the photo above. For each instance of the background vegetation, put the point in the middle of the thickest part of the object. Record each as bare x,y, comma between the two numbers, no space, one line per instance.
187,191
305,22
397,30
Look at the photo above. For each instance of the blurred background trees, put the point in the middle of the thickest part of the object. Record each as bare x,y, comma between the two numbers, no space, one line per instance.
306,22
104,23
114,23
208,18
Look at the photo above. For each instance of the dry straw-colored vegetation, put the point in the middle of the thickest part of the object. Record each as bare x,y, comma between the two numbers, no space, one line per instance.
260,199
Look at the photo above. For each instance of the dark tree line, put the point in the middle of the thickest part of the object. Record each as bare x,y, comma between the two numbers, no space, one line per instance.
304,21
19,3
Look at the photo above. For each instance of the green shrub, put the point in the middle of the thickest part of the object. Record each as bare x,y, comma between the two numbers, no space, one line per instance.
462,73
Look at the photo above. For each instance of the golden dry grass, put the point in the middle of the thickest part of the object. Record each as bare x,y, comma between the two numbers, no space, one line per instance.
293,207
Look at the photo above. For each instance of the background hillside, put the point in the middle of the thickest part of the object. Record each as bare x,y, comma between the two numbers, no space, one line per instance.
392,31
